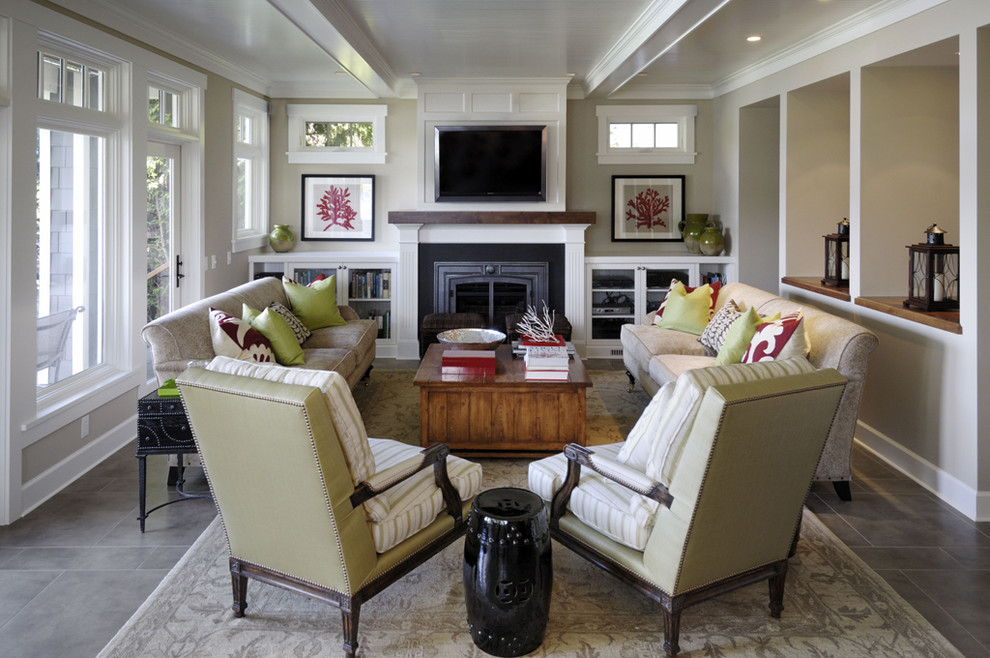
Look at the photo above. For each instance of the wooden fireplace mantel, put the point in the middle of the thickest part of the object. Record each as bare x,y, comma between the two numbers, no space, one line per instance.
490,217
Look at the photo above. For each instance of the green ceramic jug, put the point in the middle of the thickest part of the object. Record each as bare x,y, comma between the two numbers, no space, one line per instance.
693,228
281,238
712,243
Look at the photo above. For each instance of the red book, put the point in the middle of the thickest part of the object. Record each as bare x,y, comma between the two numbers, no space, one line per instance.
479,360
525,341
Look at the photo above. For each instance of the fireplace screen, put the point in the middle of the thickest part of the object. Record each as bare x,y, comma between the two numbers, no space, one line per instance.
493,290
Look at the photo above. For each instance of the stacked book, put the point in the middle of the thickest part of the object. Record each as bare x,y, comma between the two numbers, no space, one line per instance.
545,361
467,362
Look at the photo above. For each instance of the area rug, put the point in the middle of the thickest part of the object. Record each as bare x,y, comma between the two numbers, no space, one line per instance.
834,605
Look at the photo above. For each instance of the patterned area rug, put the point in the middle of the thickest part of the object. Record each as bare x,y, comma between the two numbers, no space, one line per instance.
834,605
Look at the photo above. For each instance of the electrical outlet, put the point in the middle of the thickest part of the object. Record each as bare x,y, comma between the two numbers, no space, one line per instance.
229,258
84,427
213,261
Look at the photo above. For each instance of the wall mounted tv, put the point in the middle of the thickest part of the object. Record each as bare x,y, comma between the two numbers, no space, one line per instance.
490,163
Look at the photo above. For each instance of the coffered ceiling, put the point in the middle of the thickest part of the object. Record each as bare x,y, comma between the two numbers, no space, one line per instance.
380,48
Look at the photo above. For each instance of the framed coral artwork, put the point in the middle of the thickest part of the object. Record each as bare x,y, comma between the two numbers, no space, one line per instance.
647,208
338,207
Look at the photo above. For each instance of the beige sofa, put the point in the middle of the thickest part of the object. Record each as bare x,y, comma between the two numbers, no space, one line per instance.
655,356
184,335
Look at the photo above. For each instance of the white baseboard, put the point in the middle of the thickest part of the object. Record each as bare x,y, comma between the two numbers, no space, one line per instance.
47,484
971,502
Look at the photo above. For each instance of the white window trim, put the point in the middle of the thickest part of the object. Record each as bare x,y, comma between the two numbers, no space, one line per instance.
299,153
257,235
682,115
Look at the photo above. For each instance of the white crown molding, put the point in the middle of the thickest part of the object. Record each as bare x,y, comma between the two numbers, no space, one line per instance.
859,25
134,25
663,92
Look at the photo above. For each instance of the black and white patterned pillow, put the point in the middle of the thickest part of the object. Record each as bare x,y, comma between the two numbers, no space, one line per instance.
714,334
297,326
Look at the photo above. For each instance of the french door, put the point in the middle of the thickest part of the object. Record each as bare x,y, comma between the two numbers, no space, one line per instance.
164,269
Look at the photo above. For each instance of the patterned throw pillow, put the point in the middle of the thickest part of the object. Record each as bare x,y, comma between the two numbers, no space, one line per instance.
237,339
298,328
714,334
782,338
674,283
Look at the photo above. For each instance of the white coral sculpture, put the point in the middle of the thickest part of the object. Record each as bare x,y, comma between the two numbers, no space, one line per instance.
536,327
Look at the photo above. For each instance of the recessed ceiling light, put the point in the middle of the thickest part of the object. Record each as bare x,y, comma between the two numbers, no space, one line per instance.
641,75
340,73
415,74
754,38
570,75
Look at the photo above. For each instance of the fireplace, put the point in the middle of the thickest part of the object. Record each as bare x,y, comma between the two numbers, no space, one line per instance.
492,280
491,289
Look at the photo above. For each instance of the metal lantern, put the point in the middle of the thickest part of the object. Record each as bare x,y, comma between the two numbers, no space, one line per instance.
933,270
837,256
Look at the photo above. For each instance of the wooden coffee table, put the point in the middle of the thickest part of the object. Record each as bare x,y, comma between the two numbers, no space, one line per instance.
502,415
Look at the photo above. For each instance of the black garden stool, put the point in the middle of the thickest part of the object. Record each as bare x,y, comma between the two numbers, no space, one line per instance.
508,571
434,323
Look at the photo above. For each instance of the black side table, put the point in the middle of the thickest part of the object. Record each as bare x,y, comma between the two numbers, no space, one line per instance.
508,571
162,430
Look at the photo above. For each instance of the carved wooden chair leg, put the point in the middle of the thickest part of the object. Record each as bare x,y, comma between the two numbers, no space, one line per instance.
776,585
350,618
239,584
632,382
842,490
671,632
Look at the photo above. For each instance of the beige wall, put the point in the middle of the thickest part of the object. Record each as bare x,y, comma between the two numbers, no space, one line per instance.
758,235
817,178
910,152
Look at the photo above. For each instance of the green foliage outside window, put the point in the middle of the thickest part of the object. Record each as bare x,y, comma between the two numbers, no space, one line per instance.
325,134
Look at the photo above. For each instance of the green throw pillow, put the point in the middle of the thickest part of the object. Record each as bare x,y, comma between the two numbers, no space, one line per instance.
273,326
315,304
740,333
688,311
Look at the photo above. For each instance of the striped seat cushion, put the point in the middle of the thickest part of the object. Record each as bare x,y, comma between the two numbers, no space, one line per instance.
609,508
407,508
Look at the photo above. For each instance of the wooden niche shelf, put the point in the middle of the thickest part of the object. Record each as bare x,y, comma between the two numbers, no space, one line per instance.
814,284
944,320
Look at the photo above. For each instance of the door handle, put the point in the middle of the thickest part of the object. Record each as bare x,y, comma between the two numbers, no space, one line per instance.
178,270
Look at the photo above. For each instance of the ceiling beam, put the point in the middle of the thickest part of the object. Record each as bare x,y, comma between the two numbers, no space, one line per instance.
658,28
328,24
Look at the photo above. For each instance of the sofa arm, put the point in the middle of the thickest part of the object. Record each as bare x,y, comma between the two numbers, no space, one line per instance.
348,313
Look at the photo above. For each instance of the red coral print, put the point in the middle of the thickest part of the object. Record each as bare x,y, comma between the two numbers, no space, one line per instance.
335,208
647,209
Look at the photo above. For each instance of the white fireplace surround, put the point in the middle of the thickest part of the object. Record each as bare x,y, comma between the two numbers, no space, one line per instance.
411,235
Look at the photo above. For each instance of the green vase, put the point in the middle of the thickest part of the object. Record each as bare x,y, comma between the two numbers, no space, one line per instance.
694,226
712,243
281,238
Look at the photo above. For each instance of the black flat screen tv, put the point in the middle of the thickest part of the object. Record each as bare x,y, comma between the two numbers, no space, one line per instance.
490,163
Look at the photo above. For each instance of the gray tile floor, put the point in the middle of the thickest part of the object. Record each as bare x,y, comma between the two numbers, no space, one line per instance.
74,570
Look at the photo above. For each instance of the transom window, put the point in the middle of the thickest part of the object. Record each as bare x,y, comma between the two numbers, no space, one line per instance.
646,134
336,133
163,107
64,80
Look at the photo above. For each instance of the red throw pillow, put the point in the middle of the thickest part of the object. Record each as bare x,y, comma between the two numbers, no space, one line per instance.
687,289
233,337
782,338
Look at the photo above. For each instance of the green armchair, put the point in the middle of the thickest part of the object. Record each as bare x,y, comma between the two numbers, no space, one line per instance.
308,502
707,493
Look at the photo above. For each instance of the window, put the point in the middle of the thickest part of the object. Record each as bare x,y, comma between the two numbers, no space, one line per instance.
353,134
250,171
646,134
163,107
71,253
62,80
